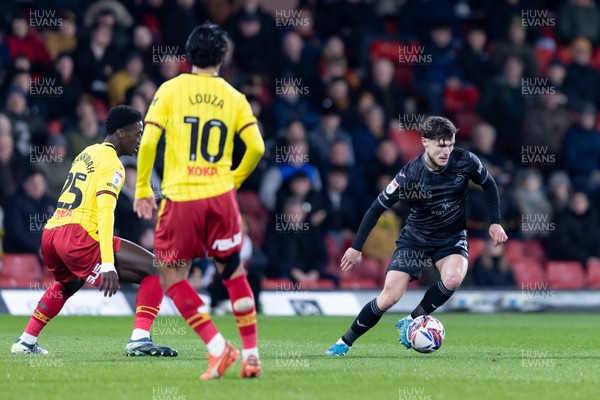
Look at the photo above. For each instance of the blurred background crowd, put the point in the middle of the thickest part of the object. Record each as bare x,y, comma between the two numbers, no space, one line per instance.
339,89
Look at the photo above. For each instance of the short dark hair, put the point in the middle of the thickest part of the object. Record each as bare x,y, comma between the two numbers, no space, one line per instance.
121,116
206,45
438,128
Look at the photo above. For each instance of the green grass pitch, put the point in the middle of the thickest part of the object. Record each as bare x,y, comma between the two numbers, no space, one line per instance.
503,356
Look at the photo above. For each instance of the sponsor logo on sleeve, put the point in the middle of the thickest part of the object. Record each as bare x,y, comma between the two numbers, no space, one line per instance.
393,185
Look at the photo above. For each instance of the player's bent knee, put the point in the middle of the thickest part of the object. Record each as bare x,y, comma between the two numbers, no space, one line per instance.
387,300
452,282
230,264
73,286
243,304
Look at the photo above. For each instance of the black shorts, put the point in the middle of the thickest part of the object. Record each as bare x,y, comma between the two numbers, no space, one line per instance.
413,256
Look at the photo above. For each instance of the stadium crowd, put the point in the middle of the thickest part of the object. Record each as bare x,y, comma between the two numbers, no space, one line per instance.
339,89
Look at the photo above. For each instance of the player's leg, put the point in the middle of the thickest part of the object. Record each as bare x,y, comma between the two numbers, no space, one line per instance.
224,239
452,262
242,300
179,237
393,289
453,269
135,265
53,299
191,307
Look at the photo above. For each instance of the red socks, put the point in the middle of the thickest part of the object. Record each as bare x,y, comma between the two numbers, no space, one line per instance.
188,302
48,307
244,311
149,297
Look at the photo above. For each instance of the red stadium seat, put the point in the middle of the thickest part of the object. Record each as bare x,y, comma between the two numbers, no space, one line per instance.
528,271
21,270
465,121
565,275
514,250
544,56
593,274
251,206
408,143
276,284
355,283
459,99
533,249
476,247
317,285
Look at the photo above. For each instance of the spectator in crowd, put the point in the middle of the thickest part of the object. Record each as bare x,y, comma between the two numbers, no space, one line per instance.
127,223
577,234
23,40
291,103
532,203
124,79
442,71
474,60
492,268
63,40
142,41
502,104
368,134
295,250
483,138
70,88
96,61
328,131
180,21
295,59
557,72
582,152
387,162
54,163
88,130
113,15
546,122
28,125
292,159
516,46
579,18
13,166
253,32
582,83
340,205
559,191
299,186
418,17
383,88
339,97
26,213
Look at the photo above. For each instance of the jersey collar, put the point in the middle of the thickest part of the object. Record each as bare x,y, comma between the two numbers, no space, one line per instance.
109,145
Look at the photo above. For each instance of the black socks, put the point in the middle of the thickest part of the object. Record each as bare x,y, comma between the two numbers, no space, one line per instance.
367,318
434,298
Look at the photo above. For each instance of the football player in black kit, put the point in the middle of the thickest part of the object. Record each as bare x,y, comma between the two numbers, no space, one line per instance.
435,186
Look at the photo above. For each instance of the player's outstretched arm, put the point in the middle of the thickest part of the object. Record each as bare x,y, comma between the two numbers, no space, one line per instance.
354,254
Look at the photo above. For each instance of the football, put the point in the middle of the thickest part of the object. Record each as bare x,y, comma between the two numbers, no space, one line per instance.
426,334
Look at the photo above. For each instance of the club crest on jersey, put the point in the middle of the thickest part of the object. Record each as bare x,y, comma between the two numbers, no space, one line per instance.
459,179
117,178
393,185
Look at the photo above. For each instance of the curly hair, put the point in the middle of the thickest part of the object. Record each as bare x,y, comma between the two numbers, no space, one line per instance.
121,116
438,128
206,45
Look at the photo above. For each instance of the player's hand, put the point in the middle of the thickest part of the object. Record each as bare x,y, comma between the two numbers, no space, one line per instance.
109,279
144,207
350,259
109,283
497,234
